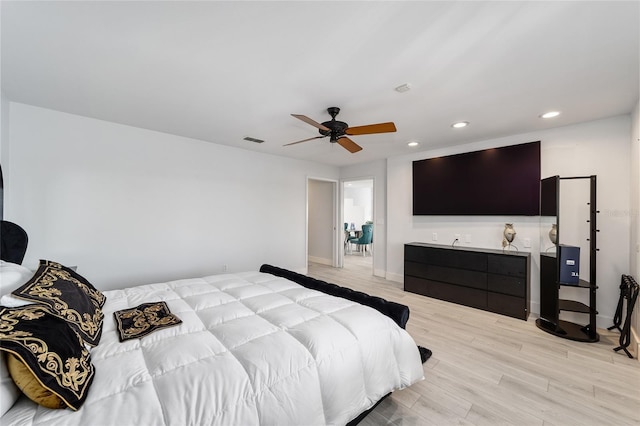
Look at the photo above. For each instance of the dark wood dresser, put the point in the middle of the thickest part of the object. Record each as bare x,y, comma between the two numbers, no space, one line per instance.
492,280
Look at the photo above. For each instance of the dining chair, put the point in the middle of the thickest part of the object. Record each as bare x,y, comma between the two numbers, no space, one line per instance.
365,238
347,234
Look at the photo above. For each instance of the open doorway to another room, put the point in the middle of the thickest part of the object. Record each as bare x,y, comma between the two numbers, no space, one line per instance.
322,219
357,212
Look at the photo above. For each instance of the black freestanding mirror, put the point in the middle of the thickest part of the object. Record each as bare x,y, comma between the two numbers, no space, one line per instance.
555,262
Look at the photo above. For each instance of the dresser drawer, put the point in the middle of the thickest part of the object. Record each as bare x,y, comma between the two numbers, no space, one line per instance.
452,258
449,275
514,286
507,305
507,265
449,292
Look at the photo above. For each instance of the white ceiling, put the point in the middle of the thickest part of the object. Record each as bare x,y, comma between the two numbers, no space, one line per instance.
220,71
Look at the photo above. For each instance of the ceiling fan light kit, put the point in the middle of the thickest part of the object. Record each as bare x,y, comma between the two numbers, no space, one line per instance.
337,131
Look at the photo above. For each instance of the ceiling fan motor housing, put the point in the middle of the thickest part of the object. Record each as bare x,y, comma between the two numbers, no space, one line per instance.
338,128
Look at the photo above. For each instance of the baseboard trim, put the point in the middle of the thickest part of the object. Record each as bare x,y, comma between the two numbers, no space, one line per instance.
635,343
379,273
534,308
398,278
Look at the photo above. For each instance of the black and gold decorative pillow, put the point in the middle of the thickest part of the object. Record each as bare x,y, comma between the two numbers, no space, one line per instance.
45,357
96,295
69,296
144,319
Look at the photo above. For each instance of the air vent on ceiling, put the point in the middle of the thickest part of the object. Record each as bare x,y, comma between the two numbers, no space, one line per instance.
250,139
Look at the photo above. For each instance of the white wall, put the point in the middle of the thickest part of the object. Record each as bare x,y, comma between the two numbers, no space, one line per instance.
4,107
131,206
599,147
4,147
321,201
634,247
358,202
352,213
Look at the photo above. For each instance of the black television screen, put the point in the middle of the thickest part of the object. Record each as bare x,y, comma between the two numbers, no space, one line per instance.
498,181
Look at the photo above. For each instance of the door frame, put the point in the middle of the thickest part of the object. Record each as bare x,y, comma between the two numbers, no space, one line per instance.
373,215
334,211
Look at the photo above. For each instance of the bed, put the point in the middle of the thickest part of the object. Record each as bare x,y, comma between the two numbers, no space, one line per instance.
267,347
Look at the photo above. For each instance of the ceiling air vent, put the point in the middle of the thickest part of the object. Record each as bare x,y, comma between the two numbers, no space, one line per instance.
250,139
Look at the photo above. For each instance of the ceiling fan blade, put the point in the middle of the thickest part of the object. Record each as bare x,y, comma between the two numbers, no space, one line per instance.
312,122
372,128
349,145
305,140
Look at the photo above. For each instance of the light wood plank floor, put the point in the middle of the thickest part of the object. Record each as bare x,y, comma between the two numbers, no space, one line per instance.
489,369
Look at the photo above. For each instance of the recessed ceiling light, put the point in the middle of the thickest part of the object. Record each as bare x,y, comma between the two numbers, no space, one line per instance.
403,88
413,143
550,114
460,124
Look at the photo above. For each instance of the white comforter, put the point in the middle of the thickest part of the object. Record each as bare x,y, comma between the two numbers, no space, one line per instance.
252,349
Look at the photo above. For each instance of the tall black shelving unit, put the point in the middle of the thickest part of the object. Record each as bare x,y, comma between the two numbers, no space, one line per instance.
550,303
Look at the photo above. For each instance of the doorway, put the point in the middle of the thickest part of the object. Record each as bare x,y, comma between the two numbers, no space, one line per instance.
357,210
322,219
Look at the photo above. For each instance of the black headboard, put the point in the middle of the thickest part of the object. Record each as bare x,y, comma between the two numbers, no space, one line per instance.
13,242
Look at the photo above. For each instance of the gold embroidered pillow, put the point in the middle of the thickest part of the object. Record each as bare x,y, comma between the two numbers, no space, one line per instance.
96,295
69,296
144,319
45,357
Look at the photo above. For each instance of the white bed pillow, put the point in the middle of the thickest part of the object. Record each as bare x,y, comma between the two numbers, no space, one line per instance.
9,392
12,276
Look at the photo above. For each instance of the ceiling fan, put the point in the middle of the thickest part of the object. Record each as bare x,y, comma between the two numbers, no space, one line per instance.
337,130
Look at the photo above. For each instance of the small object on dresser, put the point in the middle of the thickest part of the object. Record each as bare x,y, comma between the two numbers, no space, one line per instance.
553,234
509,235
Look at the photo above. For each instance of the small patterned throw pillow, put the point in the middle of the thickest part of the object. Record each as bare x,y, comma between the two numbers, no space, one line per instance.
144,319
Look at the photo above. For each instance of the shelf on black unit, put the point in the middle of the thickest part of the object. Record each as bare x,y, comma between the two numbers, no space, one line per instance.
573,306
568,330
581,283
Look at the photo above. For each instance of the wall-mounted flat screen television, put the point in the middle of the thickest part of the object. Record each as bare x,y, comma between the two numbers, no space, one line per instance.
501,181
